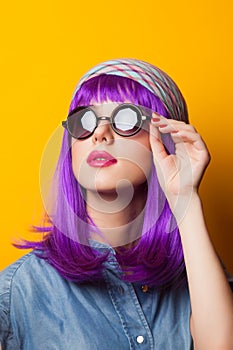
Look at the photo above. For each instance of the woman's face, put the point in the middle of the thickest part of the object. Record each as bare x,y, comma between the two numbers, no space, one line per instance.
107,161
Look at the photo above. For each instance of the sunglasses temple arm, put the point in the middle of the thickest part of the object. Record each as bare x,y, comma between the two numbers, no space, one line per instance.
64,124
146,117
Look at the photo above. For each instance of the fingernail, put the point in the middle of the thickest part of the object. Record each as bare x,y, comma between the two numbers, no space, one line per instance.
155,119
162,126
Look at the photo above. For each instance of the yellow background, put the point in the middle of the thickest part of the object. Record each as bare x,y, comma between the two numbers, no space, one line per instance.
47,45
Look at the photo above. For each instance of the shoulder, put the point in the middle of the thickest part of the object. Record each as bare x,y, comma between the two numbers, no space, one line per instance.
24,278
7,277
15,272
27,287
19,270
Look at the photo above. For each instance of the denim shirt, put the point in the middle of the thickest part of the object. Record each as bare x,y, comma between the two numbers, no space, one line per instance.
39,309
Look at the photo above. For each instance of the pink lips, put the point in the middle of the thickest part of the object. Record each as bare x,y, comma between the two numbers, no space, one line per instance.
100,159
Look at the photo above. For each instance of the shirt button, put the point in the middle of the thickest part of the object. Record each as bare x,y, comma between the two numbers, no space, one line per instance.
145,288
140,339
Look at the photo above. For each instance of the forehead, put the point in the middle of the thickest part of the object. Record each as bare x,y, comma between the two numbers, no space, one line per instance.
105,107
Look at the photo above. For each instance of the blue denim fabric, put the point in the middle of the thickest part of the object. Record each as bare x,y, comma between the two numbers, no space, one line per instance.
41,310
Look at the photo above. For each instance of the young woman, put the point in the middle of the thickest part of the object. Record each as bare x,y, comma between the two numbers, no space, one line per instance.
127,262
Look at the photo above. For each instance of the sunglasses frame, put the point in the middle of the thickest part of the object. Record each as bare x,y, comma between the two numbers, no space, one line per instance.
65,123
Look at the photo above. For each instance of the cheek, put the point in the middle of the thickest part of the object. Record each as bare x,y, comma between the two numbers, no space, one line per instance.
86,176
136,171
134,163
78,154
137,151
144,138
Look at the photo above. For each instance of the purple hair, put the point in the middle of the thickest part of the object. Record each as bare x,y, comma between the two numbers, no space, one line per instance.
157,258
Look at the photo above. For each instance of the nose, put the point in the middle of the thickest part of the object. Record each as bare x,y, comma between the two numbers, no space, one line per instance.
103,133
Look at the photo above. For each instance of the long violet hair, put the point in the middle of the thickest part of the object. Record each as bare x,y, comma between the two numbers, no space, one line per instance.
157,258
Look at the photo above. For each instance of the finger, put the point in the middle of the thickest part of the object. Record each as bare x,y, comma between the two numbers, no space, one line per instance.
169,128
161,121
187,136
158,149
179,131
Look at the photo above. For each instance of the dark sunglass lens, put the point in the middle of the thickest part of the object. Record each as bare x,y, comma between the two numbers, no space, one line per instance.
82,123
127,120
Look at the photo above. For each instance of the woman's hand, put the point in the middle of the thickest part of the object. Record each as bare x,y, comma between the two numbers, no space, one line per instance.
179,174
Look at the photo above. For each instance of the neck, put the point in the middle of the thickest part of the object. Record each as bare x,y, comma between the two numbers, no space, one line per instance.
119,216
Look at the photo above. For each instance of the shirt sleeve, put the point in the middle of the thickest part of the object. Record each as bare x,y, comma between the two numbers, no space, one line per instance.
7,339
230,280
4,326
228,275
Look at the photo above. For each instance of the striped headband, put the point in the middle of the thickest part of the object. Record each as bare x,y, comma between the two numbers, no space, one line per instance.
151,77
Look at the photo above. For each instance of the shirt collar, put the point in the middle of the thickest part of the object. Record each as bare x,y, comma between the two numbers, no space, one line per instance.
101,246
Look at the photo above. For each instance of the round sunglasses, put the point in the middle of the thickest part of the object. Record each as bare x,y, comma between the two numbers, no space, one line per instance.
125,120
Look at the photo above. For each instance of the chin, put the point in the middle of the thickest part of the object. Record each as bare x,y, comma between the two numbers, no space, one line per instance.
112,179
113,187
